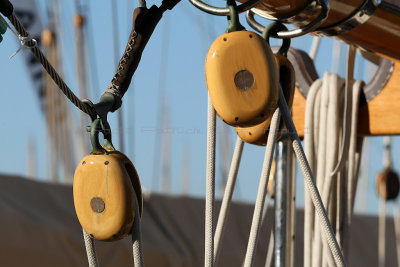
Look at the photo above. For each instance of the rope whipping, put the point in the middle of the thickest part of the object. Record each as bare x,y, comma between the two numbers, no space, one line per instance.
210,186
310,183
26,41
227,199
262,189
90,250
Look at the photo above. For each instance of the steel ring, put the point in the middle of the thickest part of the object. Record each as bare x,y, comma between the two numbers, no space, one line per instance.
296,32
220,11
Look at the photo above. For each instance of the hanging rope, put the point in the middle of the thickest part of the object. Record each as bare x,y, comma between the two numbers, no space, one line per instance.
262,190
310,150
210,187
90,250
138,258
227,199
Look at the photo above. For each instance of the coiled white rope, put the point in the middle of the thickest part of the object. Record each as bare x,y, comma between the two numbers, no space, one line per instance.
311,153
210,187
262,190
227,198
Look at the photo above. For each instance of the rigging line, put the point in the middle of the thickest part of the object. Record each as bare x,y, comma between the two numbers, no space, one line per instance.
137,247
310,182
310,153
227,197
351,57
210,186
90,250
262,190
49,68
314,47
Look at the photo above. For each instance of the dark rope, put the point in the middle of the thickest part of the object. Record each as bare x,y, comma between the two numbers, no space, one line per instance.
49,68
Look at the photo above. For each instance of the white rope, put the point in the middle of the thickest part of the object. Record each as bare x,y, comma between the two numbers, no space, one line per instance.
351,57
227,199
210,187
311,154
262,190
314,48
270,252
321,165
90,250
138,259
310,183
353,161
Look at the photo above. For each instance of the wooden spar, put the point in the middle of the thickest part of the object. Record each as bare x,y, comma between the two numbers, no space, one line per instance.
380,33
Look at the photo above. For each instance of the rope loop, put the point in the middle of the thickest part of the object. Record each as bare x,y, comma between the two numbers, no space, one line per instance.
272,30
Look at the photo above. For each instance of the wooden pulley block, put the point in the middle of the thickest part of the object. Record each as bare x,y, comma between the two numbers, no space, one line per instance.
387,184
104,195
258,134
241,78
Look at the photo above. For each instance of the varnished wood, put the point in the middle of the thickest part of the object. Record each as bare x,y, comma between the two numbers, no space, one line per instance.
229,55
258,134
380,116
379,34
104,178
298,112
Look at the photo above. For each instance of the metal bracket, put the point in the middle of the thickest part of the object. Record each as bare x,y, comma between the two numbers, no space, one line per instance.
219,11
324,4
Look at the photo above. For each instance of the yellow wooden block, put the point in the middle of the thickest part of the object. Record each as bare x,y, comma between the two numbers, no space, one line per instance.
258,134
242,78
103,195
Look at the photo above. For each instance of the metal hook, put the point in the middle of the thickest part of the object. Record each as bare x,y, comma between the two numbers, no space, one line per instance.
219,11
296,32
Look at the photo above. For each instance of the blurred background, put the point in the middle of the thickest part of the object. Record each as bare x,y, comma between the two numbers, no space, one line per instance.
162,122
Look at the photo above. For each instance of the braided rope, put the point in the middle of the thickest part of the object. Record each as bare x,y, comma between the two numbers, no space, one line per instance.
226,201
49,68
310,183
138,258
311,155
262,190
90,250
210,187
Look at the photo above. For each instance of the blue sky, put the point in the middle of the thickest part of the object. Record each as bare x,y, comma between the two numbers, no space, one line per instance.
181,40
